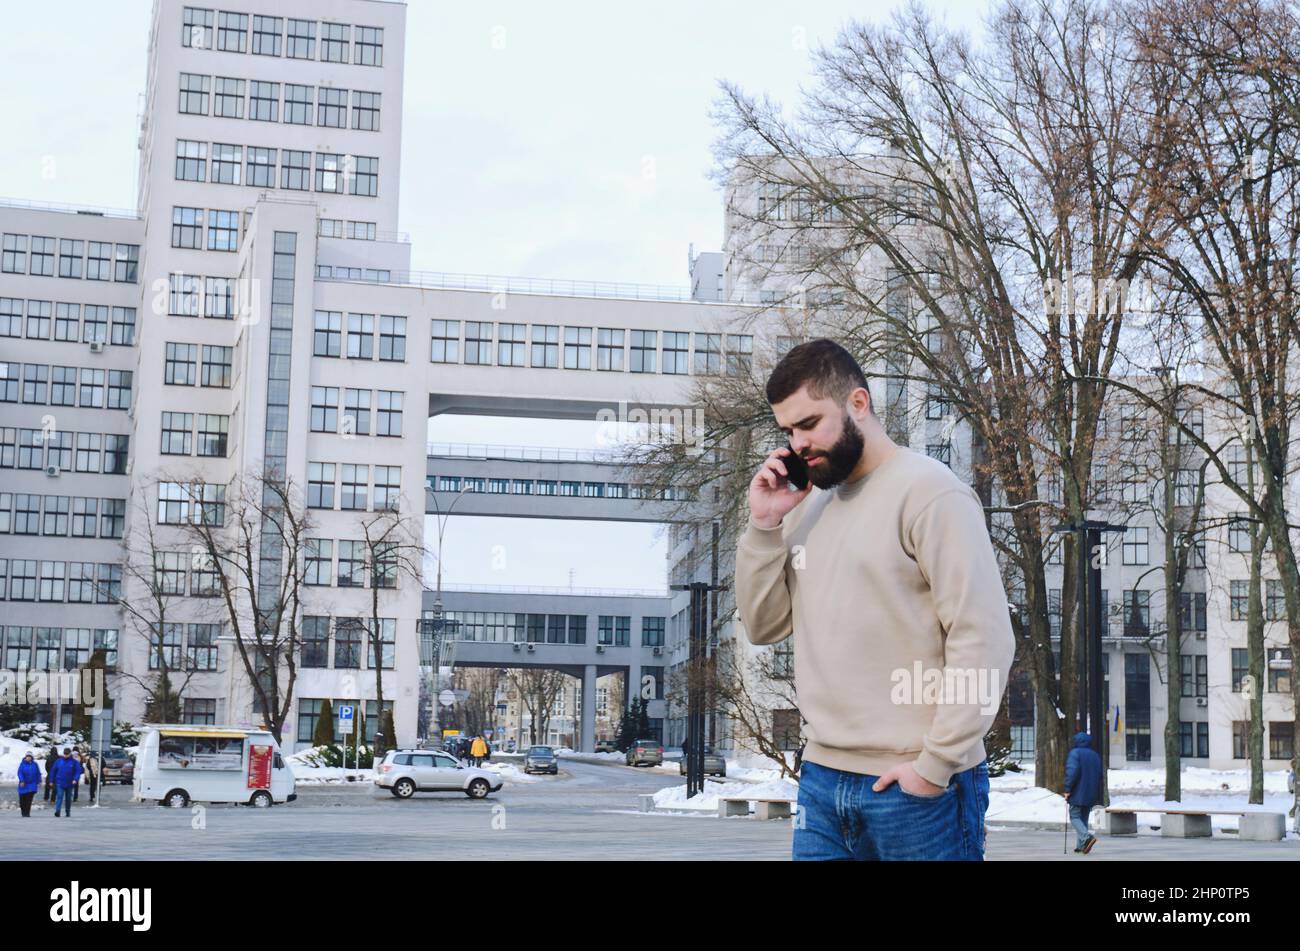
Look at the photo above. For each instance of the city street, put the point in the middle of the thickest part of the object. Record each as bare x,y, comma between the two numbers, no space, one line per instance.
587,811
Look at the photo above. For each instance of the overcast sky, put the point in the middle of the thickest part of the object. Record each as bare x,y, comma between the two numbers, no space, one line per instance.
564,139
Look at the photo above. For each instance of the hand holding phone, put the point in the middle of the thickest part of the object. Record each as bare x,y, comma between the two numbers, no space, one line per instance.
770,493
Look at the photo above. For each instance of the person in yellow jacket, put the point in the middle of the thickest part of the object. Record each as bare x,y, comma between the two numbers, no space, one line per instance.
478,750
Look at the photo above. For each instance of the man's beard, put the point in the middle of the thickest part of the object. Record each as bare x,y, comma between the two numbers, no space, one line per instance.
840,460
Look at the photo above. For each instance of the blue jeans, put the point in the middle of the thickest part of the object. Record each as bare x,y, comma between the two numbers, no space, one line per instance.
840,817
63,797
1079,819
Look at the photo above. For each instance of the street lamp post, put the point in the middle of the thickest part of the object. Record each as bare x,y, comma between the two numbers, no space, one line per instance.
695,689
438,624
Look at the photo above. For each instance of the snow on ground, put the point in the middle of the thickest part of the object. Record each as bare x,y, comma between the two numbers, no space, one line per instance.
565,753
674,797
308,775
511,773
11,754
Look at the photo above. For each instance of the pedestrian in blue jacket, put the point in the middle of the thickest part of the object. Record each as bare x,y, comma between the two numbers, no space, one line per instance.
1082,788
65,773
29,780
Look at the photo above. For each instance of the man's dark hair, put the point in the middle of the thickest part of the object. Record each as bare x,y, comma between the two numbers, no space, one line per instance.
827,368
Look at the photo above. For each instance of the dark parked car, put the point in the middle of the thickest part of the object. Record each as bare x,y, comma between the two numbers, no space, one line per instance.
606,746
646,752
118,766
541,759
714,764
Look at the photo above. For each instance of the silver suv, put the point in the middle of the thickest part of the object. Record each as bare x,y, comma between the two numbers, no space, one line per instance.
406,772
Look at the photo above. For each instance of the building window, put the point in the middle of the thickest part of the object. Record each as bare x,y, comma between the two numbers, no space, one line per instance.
546,346
213,431
355,483
94,328
1137,707
1240,660
219,298
389,419
369,46
263,106
187,227
349,632
298,103
223,230
324,409
14,260
63,386
328,336
1238,600
329,172
71,255
1191,610
183,300
609,349
216,365
300,41
266,35
388,487
577,348
295,170
1136,549
365,177
67,321
320,485
645,344
315,652
112,517
1274,600
1281,740
57,508
708,354
1278,663
194,94
115,453
356,412
36,377
42,259
176,433
652,631
126,263
99,254
478,342
676,352
92,388
361,231
319,561
365,111
38,319
119,389
196,29
334,42
201,653
1194,681
392,338
11,317
123,326
88,452
232,32
178,366
352,564
228,98
361,336
1137,613
510,344
332,107
740,354
227,162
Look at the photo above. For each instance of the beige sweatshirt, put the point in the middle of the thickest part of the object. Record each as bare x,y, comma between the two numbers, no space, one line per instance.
902,637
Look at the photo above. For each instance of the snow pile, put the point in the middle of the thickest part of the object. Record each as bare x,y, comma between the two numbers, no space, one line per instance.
12,752
567,753
674,797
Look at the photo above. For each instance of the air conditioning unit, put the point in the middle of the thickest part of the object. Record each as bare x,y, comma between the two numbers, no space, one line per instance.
531,648
1200,635
96,346
600,648
51,470
1202,701
517,648
658,651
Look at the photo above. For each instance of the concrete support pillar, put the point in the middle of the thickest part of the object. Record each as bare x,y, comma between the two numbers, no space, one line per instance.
587,743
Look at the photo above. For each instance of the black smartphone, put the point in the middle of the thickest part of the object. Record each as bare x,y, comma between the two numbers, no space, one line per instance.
796,469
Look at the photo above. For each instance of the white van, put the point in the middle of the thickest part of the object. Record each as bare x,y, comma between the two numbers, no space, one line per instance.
180,763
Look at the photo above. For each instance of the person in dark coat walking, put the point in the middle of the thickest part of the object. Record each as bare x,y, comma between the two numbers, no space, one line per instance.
1082,788
29,780
66,772
50,758
92,774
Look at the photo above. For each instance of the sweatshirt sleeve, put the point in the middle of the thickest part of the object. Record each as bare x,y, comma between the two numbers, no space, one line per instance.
762,596
952,549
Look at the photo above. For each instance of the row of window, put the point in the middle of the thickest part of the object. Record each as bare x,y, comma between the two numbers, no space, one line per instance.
347,486
51,320
182,365
178,573
309,713
179,432
1280,742
1277,667
186,292
76,582
188,229
77,259
42,384
57,648
71,452
356,411
227,97
613,630
558,487
336,173
352,230
352,635
638,351
355,570
191,503
25,513
327,337
206,29
185,647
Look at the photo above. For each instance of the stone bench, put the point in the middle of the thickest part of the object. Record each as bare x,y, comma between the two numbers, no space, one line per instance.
1195,823
763,808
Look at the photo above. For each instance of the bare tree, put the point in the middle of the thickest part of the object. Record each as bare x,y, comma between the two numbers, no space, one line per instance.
254,542
538,689
750,689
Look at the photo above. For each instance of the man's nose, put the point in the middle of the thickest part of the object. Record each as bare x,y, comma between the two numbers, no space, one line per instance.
799,444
